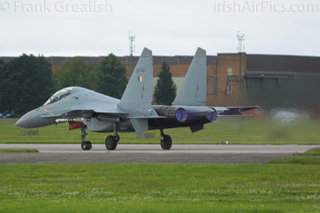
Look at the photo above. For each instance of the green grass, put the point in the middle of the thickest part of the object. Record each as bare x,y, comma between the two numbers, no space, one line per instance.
18,150
236,131
311,152
159,188
311,157
298,160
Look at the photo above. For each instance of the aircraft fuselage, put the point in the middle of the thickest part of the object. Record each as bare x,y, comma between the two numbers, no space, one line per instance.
82,99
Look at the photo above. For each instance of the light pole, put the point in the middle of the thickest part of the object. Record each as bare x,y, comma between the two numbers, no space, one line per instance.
240,38
132,49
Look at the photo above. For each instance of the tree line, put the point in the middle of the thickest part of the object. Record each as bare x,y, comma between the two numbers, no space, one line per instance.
26,82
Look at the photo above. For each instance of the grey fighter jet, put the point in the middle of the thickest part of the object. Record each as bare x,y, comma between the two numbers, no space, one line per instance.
92,111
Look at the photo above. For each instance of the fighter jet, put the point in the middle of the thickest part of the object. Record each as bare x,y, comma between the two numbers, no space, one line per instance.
88,110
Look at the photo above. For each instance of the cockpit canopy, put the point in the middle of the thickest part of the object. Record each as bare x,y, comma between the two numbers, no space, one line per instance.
59,95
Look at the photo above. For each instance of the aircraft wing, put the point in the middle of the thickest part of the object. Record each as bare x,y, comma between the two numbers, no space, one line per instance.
147,117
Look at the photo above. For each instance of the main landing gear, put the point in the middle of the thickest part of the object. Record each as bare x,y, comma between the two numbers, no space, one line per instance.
85,145
166,141
112,140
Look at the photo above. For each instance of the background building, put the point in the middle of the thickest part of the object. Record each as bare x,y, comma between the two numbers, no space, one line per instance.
283,81
235,79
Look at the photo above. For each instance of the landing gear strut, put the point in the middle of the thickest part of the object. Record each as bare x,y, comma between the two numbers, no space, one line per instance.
85,145
166,141
112,140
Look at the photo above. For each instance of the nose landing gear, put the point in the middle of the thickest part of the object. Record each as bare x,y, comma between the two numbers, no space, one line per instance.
85,145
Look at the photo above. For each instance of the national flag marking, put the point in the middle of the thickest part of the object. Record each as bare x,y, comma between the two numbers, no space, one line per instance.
45,111
141,78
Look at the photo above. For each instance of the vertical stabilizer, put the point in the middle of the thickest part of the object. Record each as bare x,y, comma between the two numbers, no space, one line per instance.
137,96
193,91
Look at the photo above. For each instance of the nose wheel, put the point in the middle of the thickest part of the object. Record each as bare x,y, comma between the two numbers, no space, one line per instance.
85,145
166,141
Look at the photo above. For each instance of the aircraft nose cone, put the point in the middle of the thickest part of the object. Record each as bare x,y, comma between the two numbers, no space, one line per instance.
25,121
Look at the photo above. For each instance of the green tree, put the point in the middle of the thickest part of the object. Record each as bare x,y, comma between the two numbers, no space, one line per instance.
1,65
2,95
76,73
165,90
112,80
25,83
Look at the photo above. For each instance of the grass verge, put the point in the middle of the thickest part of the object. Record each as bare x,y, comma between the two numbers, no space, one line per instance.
298,160
235,131
311,152
311,157
159,188
18,150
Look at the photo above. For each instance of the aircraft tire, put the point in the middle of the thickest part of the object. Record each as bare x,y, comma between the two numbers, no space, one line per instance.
111,142
166,142
86,145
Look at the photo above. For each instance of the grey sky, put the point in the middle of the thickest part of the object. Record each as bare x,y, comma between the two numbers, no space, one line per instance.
98,27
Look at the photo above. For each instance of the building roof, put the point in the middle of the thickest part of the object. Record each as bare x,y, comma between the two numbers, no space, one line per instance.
283,63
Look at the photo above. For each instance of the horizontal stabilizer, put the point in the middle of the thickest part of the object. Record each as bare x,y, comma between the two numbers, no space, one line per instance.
233,111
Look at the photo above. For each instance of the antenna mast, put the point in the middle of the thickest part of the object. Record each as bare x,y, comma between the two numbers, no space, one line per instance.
240,37
132,49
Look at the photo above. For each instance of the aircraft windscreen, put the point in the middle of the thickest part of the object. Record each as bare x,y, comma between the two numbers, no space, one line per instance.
58,95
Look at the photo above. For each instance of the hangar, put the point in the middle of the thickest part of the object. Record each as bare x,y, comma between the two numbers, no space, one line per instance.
285,81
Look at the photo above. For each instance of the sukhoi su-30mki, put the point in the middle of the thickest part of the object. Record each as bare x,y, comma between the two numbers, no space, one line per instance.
92,111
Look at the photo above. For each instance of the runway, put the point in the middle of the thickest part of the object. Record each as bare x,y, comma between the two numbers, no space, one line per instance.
151,153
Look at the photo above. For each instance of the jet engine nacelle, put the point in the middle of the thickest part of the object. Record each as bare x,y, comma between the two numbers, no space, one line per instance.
187,113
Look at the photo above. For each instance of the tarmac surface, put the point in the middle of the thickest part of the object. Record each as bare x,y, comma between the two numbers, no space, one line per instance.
151,153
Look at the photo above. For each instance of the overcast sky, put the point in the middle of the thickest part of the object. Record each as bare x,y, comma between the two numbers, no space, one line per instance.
167,27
